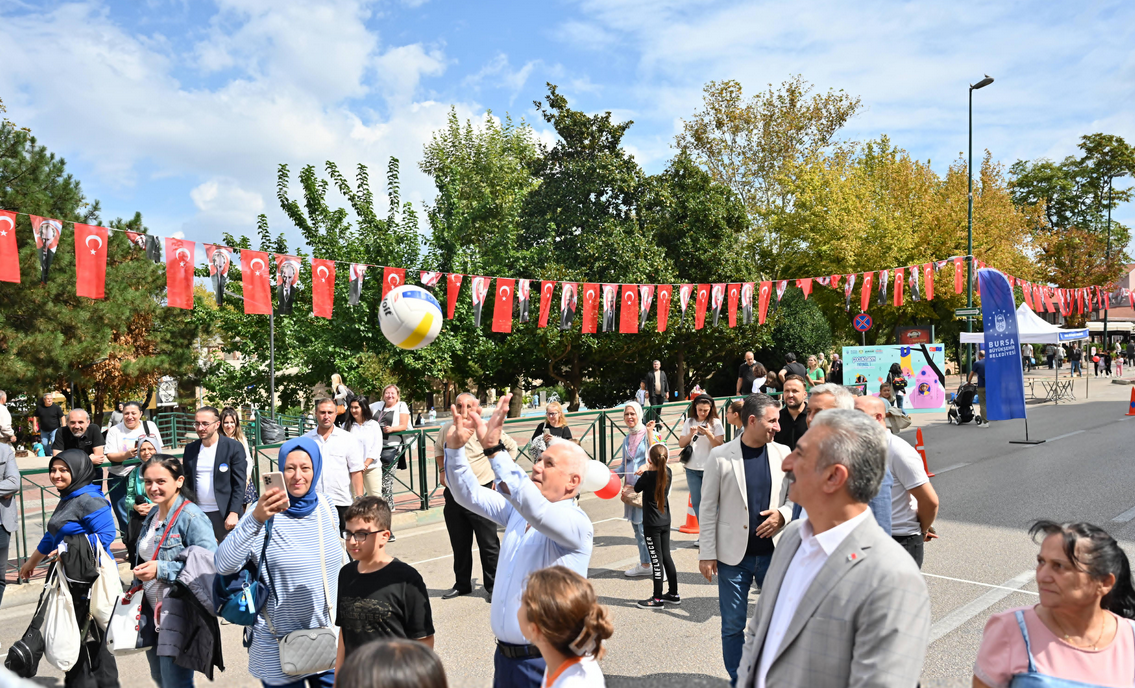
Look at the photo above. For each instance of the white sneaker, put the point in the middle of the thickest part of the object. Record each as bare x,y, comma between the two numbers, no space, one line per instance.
638,571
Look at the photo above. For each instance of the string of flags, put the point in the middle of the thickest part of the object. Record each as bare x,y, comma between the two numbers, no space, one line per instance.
607,307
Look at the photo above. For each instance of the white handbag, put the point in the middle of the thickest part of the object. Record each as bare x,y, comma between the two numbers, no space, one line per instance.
308,651
61,634
124,629
106,589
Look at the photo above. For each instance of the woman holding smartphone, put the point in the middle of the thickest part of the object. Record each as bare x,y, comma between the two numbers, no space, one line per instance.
704,431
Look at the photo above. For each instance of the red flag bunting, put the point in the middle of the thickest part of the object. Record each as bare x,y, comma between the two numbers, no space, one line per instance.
781,286
835,281
391,278
502,308
610,301
590,307
90,262
287,282
452,289
9,252
898,286
179,272
684,291
628,305
645,298
254,279
958,274
1028,292
1047,300
805,284
716,301
47,233
322,287
865,295
547,288
429,278
747,302
763,298
928,280
700,303
665,291
734,296
479,289
523,298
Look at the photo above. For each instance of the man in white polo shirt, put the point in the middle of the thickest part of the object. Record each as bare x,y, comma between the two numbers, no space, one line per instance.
122,445
343,459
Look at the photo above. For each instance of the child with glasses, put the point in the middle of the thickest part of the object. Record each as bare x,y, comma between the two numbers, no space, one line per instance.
379,596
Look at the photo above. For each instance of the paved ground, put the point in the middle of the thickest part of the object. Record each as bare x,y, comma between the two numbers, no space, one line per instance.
991,491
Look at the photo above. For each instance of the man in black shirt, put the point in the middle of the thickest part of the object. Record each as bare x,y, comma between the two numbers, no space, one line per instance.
793,412
792,367
747,374
81,433
50,417
835,373
657,386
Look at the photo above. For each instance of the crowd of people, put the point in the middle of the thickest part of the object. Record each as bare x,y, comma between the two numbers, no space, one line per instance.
1102,359
814,501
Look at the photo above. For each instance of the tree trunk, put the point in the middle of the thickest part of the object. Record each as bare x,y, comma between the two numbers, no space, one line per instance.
576,383
681,374
516,404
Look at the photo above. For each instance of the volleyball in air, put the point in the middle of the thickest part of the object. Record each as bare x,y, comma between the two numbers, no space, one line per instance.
410,317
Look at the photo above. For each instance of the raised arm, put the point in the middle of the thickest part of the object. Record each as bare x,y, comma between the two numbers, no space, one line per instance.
569,528
459,476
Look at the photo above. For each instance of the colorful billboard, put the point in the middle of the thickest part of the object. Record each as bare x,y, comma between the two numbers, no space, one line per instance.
870,364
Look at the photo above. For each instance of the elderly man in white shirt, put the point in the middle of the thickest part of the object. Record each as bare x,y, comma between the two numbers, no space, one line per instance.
343,459
543,527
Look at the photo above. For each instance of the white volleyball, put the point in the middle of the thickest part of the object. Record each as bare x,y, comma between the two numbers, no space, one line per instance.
410,317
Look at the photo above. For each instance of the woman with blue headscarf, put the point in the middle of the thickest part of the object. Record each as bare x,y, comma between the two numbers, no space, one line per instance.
301,592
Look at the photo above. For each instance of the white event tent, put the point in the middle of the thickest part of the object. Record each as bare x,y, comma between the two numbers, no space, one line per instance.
1032,329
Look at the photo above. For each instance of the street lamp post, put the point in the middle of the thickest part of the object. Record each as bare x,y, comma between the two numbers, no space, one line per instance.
969,232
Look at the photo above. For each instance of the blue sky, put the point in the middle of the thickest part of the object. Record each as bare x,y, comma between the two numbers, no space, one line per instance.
183,109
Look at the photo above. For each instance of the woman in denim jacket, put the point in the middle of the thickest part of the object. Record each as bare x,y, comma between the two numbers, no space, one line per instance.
156,567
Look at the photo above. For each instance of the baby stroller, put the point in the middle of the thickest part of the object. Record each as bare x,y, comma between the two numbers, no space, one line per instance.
961,406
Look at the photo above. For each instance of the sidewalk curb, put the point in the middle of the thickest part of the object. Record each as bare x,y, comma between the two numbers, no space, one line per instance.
415,519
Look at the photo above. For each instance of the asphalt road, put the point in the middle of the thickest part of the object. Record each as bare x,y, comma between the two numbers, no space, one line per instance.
990,490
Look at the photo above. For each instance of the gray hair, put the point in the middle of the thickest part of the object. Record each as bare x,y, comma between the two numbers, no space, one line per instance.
3,396
755,405
857,442
79,410
843,398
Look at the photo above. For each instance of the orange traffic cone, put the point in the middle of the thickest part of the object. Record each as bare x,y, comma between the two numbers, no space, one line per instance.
691,527
1131,408
922,449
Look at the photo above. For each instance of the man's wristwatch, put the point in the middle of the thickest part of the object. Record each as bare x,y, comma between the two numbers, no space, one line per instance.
495,449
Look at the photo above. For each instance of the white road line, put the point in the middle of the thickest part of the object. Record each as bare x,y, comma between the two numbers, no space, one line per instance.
1126,516
964,613
984,585
1060,437
617,565
950,468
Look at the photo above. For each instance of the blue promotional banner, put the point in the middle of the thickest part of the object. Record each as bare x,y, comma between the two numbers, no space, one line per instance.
1004,381
869,365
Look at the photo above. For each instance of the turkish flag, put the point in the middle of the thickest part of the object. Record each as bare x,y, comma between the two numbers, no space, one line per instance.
865,295
429,278
700,303
1047,300
322,287
665,291
645,298
958,274
628,313
734,295
90,262
391,278
898,285
590,307
179,272
1105,298
502,308
547,287
254,278
762,302
9,252
684,291
1028,292
805,284
716,301
928,280
835,281
452,289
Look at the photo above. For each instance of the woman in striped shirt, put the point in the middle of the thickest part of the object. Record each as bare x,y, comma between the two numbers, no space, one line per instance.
293,523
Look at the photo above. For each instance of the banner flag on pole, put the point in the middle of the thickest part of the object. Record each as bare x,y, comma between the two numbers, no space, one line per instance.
1004,380
429,278
766,289
1027,290
452,289
287,282
684,291
356,274
628,309
219,262
391,278
591,298
898,286
865,292
915,288
523,299
254,279
700,305
179,272
805,285
9,251
610,302
569,303
716,299
322,287
502,307
958,280
90,261
747,303
645,298
835,281
884,278
665,292
781,286
47,234
847,290
480,290
734,295
547,288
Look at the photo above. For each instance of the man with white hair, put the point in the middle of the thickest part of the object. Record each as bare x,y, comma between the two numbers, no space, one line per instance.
543,527
81,434
7,435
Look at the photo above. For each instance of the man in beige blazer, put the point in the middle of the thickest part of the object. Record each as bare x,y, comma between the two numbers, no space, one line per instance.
842,604
743,508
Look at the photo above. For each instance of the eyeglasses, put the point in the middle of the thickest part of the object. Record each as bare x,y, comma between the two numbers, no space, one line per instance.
361,535
197,424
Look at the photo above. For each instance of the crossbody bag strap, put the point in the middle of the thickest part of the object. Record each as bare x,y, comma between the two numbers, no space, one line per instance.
268,574
168,527
323,567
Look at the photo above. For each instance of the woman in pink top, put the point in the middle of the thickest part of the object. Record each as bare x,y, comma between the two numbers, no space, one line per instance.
1081,633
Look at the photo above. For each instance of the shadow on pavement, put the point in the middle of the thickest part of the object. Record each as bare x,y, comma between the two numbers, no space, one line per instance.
663,680
692,609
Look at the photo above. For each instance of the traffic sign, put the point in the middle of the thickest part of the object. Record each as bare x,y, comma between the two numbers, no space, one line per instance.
862,322
964,312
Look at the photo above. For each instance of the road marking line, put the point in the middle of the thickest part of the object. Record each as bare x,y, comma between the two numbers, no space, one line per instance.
1125,516
1060,437
984,585
617,565
964,613
950,468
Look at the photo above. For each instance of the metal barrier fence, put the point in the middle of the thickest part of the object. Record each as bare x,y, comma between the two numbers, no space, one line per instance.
416,483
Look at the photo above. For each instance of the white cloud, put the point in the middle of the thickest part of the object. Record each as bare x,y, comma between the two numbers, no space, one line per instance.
221,196
498,72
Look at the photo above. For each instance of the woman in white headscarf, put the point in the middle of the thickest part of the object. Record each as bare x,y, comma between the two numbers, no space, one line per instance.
635,448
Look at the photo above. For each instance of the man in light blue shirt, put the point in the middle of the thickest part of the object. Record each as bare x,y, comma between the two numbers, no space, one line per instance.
543,527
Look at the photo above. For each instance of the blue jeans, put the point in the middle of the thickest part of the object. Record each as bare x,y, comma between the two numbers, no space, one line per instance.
733,583
324,680
1076,367
640,540
166,673
47,438
693,481
116,488
517,673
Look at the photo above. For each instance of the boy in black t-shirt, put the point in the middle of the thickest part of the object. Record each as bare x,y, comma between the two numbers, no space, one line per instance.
379,596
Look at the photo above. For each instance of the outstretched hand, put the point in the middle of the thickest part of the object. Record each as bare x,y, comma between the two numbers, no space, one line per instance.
461,429
489,434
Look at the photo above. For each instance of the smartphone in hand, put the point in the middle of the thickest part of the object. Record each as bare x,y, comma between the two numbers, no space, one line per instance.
275,480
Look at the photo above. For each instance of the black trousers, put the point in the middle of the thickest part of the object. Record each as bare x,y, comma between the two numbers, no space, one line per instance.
658,544
913,544
463,525
217,518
